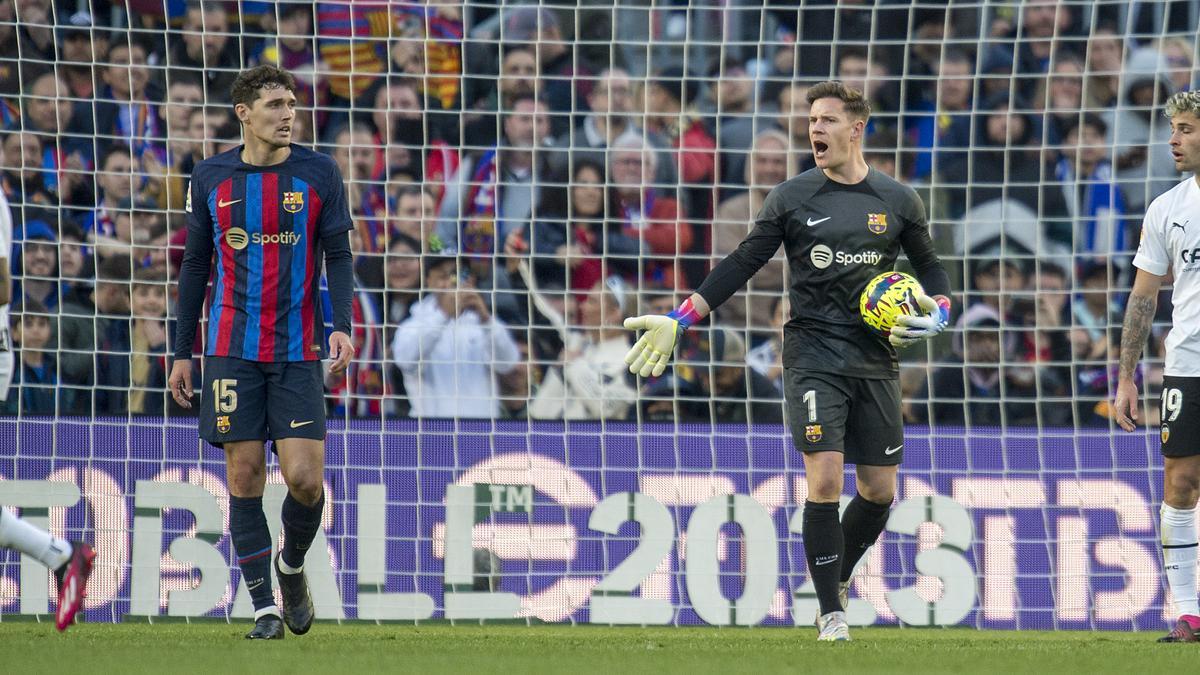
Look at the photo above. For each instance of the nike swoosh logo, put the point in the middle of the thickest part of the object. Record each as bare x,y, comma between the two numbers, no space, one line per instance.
297,425
810,222
254,584
892,451
825,562
223,204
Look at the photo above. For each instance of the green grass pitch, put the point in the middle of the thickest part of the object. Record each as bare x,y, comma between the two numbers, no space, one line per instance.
218,648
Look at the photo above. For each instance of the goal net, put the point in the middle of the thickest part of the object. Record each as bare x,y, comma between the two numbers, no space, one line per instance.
522,177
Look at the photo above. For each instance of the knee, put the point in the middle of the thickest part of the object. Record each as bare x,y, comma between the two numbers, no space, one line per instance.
1181,490
246,478
877,494
306,487
824,489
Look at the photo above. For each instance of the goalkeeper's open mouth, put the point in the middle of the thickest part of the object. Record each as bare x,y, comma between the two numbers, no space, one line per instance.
819,149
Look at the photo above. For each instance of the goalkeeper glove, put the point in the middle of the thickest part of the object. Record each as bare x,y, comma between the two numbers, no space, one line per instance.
651,352
912,329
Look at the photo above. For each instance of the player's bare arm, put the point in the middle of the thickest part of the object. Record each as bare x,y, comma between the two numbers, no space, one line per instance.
1139,313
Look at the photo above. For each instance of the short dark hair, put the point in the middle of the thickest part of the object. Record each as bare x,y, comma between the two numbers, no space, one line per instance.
113,269
245,87
856,103
1088,119
114,149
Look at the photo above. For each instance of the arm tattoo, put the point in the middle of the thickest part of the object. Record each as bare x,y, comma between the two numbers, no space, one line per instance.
1139,312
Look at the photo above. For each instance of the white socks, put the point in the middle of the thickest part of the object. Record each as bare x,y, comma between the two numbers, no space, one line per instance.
288,569
1179,557
260,613
32,541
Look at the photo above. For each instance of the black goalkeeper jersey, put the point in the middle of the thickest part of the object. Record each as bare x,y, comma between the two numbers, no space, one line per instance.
837,237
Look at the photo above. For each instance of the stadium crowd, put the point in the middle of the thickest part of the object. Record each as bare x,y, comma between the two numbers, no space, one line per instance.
522,179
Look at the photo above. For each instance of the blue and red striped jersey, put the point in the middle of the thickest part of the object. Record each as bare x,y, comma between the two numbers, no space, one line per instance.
265,224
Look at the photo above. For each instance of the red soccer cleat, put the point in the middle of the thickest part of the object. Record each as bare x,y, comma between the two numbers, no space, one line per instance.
72,583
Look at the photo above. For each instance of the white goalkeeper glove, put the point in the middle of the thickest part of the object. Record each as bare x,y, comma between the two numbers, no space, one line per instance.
651,352
911,329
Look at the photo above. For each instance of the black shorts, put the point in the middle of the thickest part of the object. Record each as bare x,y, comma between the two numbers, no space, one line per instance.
858,417
1179,407
252,401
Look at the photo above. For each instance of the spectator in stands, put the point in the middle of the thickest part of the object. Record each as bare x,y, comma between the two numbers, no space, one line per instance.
670,101
128,111
23,179
1046,27
292,50
1005,164
35,379
980,386
116,183
1105,61
402,288
880,154
147,364
414,215
770,164
1137,126
648,216
429,46
38,262
184,96
793,121
730,98
1061,98
767,358
67,146
1093,309
1177,51
493,192
573,242
206,125
140,232
870,76
450,349
1094,363
997,282
941,130
1096,204
206,49
738,393
518,79
399,127
592,381
563,71
89,329
81,48
360,160
75,271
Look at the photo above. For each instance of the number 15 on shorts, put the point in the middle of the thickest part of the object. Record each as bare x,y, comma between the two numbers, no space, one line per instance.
224,395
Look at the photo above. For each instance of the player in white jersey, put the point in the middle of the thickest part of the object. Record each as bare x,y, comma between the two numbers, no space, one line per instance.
6,244
1171,245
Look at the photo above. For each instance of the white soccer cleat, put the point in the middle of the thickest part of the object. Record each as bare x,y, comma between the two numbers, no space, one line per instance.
833,628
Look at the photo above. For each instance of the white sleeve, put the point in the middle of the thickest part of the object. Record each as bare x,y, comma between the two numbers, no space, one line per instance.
416,338
1152,254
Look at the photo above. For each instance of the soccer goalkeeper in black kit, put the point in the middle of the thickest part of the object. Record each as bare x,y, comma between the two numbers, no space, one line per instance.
841,224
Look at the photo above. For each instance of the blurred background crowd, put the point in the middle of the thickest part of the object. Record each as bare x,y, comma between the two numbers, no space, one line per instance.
522,177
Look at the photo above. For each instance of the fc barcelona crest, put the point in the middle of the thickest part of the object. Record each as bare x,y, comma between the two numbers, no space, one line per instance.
877,222
812,433
1166,433
293,202
223,423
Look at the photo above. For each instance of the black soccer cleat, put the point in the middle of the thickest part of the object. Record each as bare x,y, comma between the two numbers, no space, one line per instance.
268,627
297,602
1183,632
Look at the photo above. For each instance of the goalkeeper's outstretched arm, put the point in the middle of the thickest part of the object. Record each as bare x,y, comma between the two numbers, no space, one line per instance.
649,356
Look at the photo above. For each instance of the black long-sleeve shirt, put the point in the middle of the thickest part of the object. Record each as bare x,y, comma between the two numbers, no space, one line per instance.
836,237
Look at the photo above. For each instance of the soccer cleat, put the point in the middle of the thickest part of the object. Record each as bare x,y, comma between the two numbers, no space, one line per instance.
297,602
1184,631
267,627
72,579
833,628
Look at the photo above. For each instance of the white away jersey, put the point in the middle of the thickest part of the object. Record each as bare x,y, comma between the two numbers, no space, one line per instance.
1171,241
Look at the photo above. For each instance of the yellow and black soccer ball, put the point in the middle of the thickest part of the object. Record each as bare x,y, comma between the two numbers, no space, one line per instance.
886,297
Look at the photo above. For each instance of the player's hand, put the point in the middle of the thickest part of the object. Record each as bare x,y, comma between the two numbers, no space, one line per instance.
1125,408
651,352
341,350
910,329
180,383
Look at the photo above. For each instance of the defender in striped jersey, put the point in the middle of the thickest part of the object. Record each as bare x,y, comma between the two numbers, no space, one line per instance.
267,212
